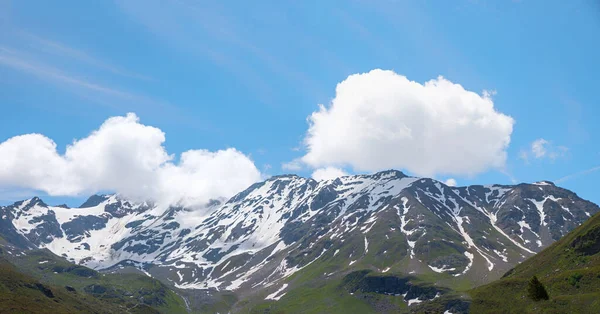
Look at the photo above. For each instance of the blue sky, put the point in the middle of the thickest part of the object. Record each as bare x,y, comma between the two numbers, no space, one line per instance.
247,75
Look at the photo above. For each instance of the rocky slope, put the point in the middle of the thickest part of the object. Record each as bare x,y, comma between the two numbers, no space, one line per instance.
254,242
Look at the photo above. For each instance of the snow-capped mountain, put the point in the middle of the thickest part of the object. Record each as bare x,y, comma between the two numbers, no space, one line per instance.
384,222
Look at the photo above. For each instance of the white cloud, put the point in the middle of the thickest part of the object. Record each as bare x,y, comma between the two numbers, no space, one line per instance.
541,148
126,157
381,120
294,165
74,55
450,182
538,148
328,173
559,151
13,59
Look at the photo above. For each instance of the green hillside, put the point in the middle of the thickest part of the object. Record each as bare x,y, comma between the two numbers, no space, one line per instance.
38,281
569,269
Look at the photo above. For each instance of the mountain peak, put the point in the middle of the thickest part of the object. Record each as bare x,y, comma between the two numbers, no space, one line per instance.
544,182
36,201
284,176
391,173
28,203
95,200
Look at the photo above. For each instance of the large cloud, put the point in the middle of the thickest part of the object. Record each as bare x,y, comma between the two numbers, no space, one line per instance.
380,120
126,157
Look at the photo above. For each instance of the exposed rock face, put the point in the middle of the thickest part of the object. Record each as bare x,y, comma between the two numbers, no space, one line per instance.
588,243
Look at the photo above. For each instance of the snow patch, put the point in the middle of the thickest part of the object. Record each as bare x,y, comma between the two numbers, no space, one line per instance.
277,294
442,269
539,205
413,301
470,256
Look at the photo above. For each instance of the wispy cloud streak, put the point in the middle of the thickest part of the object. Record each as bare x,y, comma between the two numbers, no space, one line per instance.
12,59
92,91
578,174
62,50
219,37
167,23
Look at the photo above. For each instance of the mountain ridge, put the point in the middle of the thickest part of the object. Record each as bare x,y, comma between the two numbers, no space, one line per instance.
287,224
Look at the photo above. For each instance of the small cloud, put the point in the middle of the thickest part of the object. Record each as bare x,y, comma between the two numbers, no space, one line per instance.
538,148
294,165
450,182
560,151
328,173
489,93
542,148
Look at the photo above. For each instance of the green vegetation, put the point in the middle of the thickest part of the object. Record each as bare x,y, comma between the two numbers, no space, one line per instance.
536,290
20,293
39,281
574,279
362,291
321,298
331,284
569,269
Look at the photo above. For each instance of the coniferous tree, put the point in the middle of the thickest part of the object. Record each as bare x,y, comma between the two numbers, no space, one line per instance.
536,290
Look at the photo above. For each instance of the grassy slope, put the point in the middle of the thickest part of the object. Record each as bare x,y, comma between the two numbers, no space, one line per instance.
570,273
312,291
571,276
334,296
22,274
20,293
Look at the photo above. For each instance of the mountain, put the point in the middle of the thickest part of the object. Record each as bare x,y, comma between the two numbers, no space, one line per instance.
289,233
569,269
